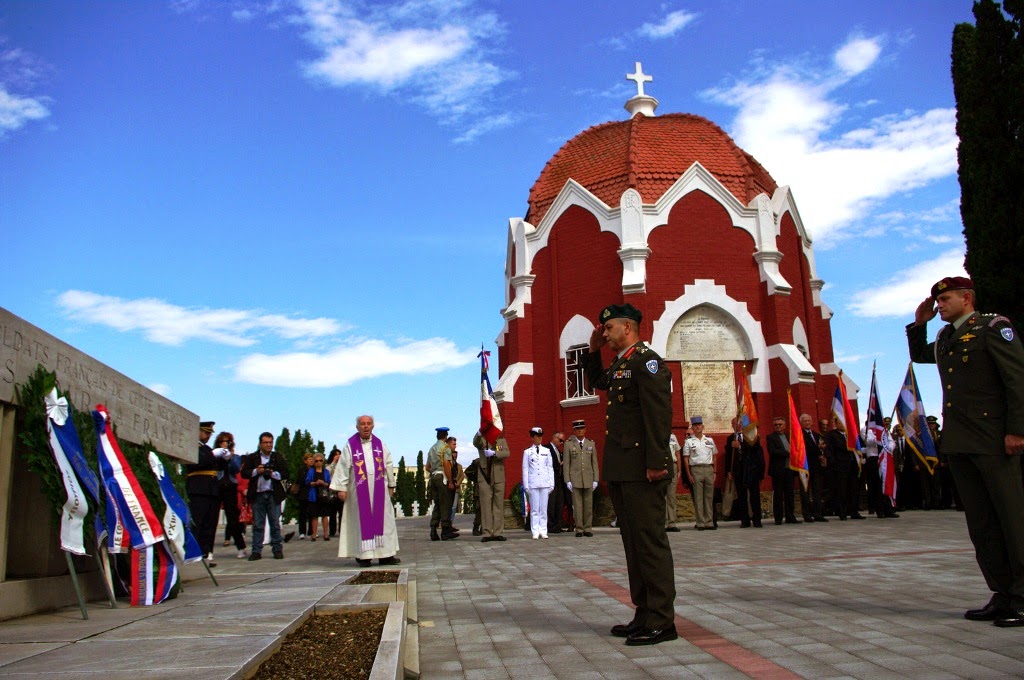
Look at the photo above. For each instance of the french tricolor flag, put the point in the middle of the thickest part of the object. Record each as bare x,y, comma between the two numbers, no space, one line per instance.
490,420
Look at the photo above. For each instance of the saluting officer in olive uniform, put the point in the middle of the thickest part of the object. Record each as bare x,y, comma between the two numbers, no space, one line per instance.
637,467
981,366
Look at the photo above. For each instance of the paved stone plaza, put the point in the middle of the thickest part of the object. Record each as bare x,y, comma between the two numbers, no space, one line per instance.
871,599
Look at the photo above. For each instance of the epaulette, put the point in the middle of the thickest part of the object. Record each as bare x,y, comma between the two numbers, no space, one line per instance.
642,348
996,318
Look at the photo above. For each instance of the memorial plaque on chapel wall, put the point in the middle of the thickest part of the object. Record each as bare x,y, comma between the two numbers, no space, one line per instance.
139,413
709,390
706,333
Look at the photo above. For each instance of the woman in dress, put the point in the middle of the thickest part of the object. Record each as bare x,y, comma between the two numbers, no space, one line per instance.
318,481
538,480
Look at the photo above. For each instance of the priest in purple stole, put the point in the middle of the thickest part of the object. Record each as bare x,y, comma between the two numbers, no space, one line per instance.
364,481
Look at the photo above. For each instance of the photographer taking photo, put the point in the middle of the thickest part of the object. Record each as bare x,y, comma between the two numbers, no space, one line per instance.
264,470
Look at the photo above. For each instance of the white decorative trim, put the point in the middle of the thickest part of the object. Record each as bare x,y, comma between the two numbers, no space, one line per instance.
852,388
707,292
800,370
505,391
580,401
816,287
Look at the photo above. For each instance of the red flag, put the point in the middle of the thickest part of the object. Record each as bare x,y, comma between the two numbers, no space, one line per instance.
797,450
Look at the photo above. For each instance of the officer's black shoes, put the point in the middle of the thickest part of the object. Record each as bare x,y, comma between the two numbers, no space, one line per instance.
499,538
624,630
588,534
792,520
1010,618
487,539
447,535
820,519
652,637
363,563
477,531
389,560
433,535
989,612
857,516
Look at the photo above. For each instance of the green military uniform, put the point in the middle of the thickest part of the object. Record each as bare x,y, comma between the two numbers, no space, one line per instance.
639,419
981,366
439,454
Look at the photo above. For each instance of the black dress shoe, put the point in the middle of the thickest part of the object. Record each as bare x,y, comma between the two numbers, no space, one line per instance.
792,520
1010,618
255,556
500,538
672,529
624,630
588,534
652,637
487,539
448,535
758,525
363,563
579,534
820,519
857,516
389,560
433,535
278,555
809,520
989,612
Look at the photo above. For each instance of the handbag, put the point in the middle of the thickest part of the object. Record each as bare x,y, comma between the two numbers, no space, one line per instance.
325,495
293,489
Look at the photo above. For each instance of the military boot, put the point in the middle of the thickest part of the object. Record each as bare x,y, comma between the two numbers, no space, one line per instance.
433,534
447,534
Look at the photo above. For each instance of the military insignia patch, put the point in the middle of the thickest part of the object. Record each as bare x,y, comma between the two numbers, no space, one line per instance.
1007,334
652,366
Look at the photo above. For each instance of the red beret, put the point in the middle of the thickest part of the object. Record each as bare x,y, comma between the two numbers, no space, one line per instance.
952,283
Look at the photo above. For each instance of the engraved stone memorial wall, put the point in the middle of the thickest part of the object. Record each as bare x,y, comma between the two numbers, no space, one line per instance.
709,389
139,413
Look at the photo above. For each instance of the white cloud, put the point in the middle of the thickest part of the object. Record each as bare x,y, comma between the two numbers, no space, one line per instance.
903,292
790,119
347,364
857,55
169,324
672,23
161,389
15,111
431,52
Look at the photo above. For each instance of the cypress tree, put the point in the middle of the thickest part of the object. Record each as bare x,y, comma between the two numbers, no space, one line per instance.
421,487
403,490
988,83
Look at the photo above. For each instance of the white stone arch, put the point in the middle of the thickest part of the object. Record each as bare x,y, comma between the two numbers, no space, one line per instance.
575,332
707,292
800,337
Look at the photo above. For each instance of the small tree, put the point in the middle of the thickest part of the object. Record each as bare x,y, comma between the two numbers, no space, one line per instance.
404,492
421,487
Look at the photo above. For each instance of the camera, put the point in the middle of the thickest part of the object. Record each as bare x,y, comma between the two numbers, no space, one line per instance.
268,471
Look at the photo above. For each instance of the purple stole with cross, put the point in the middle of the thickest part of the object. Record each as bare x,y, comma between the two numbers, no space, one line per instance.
371,521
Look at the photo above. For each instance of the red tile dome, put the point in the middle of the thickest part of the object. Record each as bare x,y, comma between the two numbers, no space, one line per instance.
647,153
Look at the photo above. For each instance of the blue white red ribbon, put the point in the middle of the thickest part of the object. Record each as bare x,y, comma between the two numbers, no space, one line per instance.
176,516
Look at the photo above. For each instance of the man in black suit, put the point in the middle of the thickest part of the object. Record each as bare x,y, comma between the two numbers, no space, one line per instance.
265,469
813,497
745,464
556,500
782,476
637,467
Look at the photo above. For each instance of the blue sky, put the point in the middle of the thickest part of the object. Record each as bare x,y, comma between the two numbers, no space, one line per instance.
289,213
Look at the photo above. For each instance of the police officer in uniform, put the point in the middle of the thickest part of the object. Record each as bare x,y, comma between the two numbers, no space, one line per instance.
637,467
981,366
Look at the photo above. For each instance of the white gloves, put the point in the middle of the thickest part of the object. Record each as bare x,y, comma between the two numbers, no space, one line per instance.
488,452
222,453
593,486
568,485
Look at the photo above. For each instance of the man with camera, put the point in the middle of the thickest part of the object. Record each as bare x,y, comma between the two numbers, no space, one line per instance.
264,470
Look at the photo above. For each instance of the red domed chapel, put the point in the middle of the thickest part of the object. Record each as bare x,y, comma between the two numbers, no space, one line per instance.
669,214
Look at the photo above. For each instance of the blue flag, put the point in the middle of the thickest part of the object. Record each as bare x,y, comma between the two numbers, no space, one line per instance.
913,420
